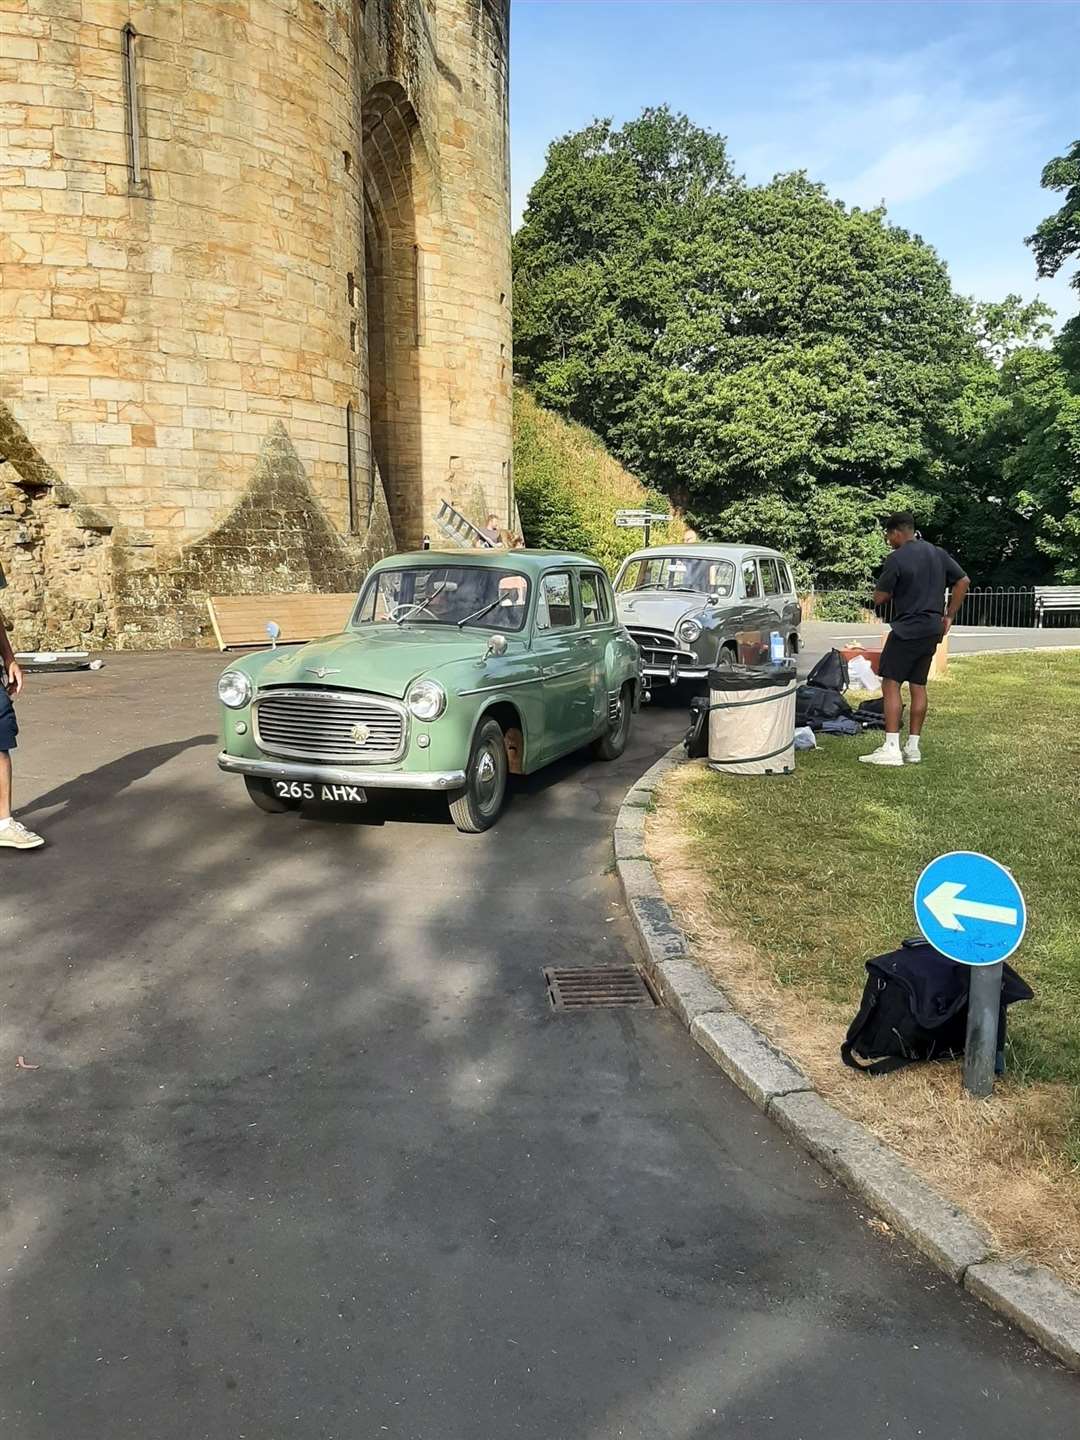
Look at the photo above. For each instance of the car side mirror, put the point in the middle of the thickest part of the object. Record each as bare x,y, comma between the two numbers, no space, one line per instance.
712,599
273,629
496,646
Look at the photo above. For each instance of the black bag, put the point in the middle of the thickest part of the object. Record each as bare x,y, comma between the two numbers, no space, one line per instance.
914,1007
696,739
814,704
871,714
830,672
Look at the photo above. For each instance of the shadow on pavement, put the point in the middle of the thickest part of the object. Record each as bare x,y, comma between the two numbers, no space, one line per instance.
308,1153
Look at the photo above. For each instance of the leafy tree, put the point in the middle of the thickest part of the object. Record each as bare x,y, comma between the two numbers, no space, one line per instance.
1004,326
1042,461
1057,238
733,344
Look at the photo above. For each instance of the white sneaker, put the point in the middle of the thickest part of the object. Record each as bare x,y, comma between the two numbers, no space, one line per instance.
912,757
883,756
18,837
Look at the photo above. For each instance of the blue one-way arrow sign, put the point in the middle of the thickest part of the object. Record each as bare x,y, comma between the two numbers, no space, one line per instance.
970,908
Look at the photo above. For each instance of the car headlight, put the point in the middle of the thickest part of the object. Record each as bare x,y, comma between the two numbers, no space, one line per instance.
688,630
234,689
426,700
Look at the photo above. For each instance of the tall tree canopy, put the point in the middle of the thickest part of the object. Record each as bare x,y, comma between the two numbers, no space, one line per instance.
788,369
762,353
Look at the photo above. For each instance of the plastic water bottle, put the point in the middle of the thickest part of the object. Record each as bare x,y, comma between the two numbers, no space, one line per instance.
776,648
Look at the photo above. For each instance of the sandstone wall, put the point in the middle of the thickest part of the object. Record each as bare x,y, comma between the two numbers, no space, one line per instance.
159,324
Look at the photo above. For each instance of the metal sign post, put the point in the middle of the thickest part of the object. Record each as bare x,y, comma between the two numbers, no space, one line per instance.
971,909
640,520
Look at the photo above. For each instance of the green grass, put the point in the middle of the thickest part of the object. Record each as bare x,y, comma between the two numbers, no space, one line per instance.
817,871
568,488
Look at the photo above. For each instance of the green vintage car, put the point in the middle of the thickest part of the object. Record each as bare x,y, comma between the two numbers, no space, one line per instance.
456,670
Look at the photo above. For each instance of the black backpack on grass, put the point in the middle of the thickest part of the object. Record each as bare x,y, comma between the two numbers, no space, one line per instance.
914,1007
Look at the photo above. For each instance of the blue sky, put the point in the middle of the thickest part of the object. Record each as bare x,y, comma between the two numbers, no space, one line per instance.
947,112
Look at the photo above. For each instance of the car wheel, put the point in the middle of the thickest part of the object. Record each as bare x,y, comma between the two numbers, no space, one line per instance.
728,656
262,795
477,806
613,741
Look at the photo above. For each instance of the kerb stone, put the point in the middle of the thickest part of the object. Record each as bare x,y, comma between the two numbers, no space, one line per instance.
934,1225
1035,1299
747,1058
686,990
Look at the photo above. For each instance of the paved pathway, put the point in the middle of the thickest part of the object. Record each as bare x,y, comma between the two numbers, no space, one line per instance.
309,1156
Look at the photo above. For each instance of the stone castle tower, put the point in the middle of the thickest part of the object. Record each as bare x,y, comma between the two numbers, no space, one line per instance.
254,299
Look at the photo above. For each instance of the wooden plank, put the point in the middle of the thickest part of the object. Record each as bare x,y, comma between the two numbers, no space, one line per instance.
241,620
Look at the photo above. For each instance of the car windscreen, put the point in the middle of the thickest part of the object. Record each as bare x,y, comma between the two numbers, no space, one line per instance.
679,572
484,596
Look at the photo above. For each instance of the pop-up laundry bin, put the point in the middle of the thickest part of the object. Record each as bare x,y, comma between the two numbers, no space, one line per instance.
752,719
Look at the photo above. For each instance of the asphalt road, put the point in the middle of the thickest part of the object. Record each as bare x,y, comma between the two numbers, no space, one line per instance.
308,1155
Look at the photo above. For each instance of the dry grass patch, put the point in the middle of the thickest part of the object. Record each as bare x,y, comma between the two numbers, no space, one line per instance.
763,877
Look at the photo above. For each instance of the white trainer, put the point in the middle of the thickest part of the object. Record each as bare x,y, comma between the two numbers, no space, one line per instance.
883,756
18,837
912,757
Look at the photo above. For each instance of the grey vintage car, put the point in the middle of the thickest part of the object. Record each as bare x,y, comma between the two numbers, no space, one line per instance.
685,605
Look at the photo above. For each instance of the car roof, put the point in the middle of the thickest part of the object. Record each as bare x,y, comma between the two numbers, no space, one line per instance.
529,562
734,553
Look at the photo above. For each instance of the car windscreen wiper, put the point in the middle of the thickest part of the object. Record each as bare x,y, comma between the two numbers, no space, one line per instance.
423,605
479,614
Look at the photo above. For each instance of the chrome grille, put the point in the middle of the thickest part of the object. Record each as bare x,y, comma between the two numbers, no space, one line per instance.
659,648
331,725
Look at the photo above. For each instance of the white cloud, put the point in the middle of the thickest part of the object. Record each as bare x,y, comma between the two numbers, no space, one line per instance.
894,128
931,155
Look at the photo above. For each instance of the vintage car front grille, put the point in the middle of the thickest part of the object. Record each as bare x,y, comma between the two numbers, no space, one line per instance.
334,725
659,648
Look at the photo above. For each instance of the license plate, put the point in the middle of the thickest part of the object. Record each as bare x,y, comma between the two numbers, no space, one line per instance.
332,794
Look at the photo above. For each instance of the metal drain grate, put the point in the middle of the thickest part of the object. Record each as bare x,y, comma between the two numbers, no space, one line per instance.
601,986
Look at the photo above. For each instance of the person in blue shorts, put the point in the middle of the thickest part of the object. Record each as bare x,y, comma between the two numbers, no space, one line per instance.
13,836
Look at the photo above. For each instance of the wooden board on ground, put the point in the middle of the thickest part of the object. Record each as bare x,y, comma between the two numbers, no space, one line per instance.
241,620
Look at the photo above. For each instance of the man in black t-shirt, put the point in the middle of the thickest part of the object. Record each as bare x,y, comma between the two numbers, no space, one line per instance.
914,577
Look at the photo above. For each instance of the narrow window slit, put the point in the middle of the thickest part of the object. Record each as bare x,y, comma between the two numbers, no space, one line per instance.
131,105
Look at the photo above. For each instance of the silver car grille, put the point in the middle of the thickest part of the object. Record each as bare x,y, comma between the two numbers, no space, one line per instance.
659,648
332,725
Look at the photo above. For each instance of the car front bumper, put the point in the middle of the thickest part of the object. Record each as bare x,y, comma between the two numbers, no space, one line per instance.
335,775
674,674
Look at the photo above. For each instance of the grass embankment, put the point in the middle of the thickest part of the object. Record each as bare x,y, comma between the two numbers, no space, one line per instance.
568,488
789,885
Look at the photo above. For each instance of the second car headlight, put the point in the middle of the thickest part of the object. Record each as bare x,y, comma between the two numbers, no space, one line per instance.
234,689
426,700
688,630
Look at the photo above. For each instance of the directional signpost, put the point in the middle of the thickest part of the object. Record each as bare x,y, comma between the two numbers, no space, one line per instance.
639,520
971,909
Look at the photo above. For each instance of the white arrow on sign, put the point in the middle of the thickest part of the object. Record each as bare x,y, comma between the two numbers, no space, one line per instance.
945,906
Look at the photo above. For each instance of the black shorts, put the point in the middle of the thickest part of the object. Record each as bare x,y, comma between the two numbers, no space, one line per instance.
908,660
8,726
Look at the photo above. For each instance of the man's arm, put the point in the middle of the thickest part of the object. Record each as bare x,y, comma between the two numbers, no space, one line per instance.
957,595
7,662
886,582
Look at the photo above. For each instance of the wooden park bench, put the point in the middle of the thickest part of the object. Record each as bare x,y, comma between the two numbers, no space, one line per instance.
1055,597
240,621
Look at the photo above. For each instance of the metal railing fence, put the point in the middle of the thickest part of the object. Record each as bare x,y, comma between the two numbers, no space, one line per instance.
995,607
